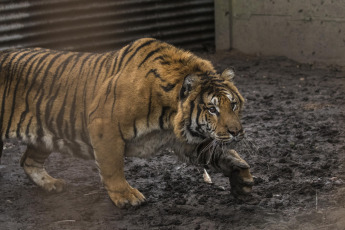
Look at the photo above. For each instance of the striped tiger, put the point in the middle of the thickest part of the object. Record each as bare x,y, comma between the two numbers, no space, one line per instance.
135,101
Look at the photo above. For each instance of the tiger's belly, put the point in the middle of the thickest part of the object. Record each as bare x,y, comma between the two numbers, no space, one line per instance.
149,144
75,148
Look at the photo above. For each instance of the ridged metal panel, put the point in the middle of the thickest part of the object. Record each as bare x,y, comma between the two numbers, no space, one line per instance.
104,24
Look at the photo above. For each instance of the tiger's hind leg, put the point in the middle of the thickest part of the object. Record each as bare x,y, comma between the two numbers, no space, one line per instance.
33,163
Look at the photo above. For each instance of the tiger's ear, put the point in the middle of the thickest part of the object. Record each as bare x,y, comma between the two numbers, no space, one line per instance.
228,74
189,83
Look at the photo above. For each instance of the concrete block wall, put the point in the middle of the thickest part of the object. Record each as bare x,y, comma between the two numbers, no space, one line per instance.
308,31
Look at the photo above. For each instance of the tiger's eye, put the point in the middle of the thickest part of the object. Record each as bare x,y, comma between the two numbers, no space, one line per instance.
233,105
212,109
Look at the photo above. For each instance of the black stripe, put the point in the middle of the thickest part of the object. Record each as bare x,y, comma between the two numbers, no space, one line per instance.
84,103
58,73
39,60
15,90
77,58
72,116
183,94
121,134
94,64
154,72
59,118
93,67
44,76
38,68
93,111
84,132
23,114
4,58
59,70
38,115
159,58
236,94
198,128
123,55
97,76
161,117
134,128
110,84
168,87
192,132
6,90
48,110
114,65
107,65
195,134
192,105
149,55
41,64
139,48
14,68
83,62
27,131
163,61
114,101
149,109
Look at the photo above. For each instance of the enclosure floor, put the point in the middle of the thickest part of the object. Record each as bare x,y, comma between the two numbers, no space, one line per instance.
294,120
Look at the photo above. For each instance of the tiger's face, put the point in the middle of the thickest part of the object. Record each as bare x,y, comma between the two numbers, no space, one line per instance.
220,117
210,109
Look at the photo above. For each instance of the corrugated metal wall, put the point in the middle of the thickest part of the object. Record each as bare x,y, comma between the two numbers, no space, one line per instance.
97,25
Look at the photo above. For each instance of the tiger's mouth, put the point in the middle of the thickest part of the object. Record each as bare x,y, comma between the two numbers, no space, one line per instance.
229,139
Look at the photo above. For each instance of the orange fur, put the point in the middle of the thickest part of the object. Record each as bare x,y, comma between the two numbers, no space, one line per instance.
103,106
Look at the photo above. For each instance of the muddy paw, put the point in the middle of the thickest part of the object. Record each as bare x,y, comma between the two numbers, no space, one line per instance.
130,196
241,182
54,185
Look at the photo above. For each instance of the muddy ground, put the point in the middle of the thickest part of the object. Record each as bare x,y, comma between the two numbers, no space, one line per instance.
295,123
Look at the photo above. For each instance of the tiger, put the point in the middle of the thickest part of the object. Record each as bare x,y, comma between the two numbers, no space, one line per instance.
135,101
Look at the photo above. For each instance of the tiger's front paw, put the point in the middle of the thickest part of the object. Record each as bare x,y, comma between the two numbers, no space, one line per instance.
237,170
129,196
241,182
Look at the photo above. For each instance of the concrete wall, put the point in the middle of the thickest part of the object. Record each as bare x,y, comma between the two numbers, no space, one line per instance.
307,31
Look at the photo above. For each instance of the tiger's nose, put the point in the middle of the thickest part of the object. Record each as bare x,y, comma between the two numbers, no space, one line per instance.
235,133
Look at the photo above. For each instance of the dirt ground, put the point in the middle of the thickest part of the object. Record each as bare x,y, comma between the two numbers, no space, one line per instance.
295,122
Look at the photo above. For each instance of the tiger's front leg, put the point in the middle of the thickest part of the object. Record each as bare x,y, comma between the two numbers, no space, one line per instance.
109,154
237,170
226,161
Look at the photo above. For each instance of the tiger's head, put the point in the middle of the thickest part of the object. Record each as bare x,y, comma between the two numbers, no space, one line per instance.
209,108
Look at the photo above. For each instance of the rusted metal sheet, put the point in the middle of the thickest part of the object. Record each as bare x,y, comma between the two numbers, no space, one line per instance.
104,24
